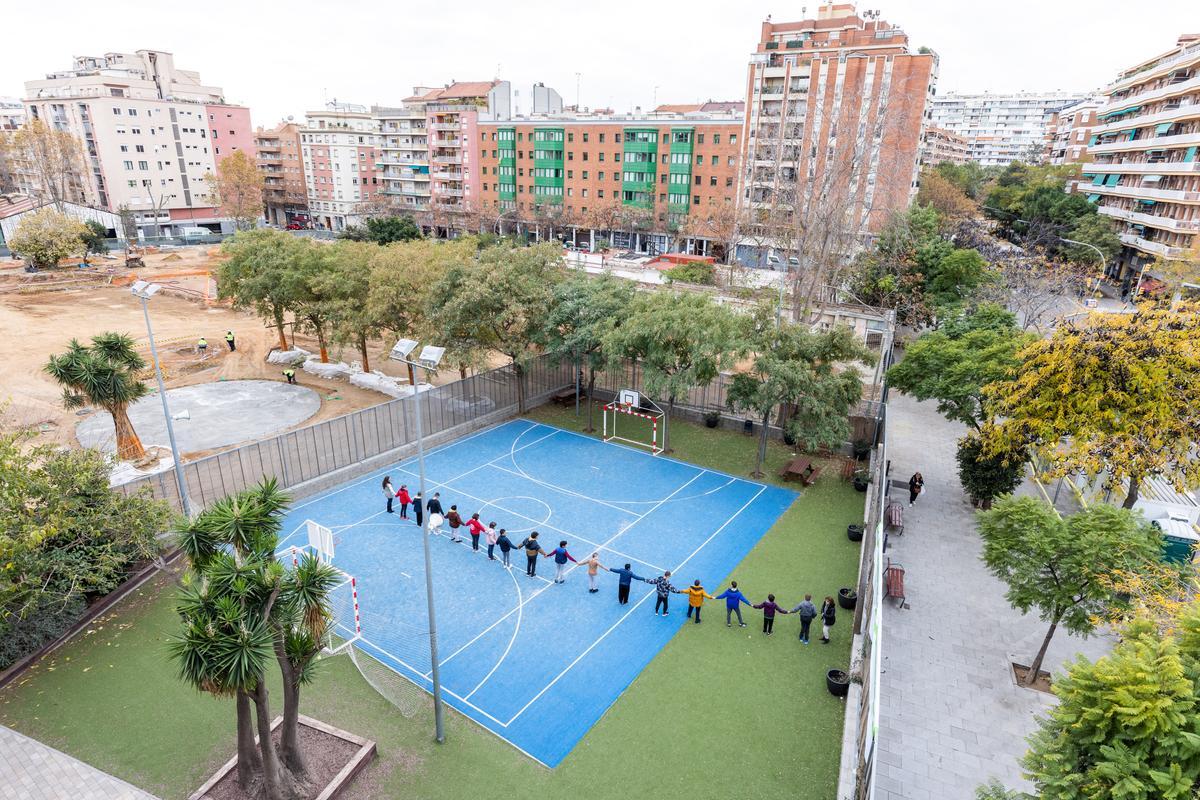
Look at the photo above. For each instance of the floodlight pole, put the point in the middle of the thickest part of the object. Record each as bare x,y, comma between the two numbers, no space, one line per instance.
162,393
435,676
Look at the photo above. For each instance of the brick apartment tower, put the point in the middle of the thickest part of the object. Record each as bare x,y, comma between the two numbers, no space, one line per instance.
835,110
282,168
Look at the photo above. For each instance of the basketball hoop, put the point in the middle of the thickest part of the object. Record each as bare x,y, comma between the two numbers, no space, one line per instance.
631,403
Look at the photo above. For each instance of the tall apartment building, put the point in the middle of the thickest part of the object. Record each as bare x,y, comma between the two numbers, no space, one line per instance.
1145,173
339,146
12,113
282,166
835,109
643,182
1001,128
150,133
943,145
1070,129
404,156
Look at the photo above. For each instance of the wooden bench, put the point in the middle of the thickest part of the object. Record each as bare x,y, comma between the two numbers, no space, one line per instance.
849,467
566,397
893,581
800,468
895,517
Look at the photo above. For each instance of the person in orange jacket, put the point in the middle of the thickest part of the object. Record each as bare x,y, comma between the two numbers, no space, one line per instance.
696,595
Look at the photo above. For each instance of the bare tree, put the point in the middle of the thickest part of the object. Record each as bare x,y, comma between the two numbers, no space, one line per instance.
53,161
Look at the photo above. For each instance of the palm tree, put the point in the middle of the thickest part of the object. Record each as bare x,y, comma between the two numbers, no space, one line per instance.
106,375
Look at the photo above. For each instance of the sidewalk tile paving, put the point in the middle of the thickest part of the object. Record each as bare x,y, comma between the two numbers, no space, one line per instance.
951,714
29,770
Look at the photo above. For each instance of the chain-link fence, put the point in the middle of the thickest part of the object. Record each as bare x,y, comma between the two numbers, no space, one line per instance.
314,457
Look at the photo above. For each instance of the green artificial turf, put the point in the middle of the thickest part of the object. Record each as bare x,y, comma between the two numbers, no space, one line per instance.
718,713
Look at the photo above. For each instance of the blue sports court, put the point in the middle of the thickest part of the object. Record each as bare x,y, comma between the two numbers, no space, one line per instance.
534,662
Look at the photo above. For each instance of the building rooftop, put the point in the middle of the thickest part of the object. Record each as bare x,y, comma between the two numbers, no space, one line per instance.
455,90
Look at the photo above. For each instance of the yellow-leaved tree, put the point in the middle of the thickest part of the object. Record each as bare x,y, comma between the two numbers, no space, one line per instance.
1116,395
237,189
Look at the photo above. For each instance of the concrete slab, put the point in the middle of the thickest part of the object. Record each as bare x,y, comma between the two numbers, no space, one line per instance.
222,413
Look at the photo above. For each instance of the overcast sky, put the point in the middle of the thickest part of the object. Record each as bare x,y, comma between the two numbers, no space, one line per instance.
283,58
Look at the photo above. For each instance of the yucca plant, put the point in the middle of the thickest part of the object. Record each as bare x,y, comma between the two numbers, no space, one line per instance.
104,374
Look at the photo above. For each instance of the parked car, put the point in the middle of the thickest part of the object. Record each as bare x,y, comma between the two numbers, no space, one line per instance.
295,226
195,233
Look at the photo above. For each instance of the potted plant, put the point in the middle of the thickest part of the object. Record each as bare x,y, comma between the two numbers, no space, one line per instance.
847,598
838,682
862,449
861,479
712,419
854,533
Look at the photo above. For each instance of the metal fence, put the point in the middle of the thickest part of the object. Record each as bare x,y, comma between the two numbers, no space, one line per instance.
357,443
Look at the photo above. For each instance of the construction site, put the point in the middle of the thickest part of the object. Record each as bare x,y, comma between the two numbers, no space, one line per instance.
41,312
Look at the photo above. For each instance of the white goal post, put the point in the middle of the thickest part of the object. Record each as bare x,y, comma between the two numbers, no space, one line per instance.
631,403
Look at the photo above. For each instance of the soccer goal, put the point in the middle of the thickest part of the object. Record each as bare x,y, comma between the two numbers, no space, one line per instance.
639,418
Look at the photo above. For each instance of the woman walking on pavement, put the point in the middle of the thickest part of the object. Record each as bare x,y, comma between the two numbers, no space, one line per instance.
388,492
916,485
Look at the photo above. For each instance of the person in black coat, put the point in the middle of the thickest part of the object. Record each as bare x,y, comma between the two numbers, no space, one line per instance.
418,508
505,544
434,506
916,484
828,617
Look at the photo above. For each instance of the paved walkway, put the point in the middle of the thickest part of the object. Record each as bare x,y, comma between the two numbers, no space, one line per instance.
29,770
951,714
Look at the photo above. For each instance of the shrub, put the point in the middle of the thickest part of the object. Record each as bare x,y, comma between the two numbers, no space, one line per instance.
696,272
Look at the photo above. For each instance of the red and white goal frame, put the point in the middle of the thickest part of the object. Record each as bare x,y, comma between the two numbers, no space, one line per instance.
633,404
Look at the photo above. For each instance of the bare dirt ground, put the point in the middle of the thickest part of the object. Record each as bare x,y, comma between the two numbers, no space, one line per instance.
38,319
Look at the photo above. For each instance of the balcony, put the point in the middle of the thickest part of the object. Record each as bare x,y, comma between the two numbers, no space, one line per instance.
1189,55
1151,220
1144,168
1145,120
1153,143
1139,192
1147,246
446,159
446,126
1183,87
448,192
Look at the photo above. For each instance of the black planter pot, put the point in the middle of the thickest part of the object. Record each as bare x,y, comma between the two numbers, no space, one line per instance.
861,484
847,598
854,533
838,682
788,439
862,449
712,420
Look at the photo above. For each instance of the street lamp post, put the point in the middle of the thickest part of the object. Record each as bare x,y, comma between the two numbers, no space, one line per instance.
144,291
429,358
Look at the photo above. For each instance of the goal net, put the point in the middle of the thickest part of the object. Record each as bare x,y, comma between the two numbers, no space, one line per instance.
635,420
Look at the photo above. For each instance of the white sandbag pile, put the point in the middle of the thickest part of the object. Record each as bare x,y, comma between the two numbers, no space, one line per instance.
385,384
334,370
296,356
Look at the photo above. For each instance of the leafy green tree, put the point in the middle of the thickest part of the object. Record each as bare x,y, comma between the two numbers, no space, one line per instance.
240,608
894,273
265,272
952,364
986,476
957,276
582,310
970,178
46,236
95,239
344,287
385,230
1062,568
1128,724
810,371
498,301
681,341
994,790
104,374
66,537
404,278
1109,394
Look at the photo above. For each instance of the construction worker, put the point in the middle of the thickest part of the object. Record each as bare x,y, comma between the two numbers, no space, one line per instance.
229,341
202,346
290,374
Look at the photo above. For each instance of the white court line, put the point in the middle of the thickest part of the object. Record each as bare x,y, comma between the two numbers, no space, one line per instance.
513,638
280,545
630,611
568,492
545,525
573,566
437,449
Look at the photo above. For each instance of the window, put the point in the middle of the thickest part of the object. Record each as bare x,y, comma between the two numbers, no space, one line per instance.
570,137
585,137
570,173
715,161
116,111
697,180
602,155
143,165
570,155
585,155
585,192
602,138
133,112
699,161
124,148
585,174
128,165
712,181
139,148
662,198
729,183
716,138
600,175
699,138
733,138
600,192
696,199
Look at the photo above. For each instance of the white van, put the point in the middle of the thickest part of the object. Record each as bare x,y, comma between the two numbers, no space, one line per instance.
193,233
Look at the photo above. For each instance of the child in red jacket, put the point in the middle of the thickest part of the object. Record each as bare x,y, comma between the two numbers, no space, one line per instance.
405,498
